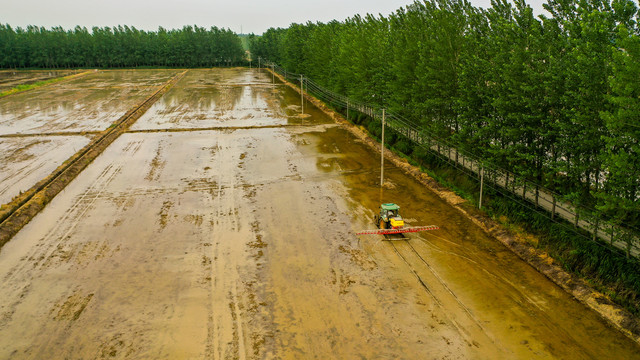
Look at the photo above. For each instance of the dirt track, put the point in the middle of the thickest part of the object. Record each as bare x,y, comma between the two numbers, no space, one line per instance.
239,243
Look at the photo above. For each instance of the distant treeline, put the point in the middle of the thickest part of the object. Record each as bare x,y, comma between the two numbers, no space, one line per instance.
554,98
120,46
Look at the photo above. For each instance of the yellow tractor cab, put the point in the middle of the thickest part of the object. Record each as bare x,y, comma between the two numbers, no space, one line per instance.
389,217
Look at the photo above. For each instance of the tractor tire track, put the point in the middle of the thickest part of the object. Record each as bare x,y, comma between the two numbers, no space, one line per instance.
464,322
532,305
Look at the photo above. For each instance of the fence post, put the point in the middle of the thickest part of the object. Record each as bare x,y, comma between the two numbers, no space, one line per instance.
302,93
553,208
382,153
595,230
273,74
481,186
612,234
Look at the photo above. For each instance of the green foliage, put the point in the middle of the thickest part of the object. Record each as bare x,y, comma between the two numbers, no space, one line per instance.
622,188
553,99
121,46
375,128
267,46
404,146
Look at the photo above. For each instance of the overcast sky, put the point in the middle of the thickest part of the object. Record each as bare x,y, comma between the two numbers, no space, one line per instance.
237,15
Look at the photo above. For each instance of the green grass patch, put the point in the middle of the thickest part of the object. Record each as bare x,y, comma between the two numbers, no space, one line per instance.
26,87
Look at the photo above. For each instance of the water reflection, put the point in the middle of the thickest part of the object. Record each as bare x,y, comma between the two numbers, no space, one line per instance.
89,103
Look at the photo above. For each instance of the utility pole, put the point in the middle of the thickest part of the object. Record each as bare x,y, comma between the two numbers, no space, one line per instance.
302,92
382,153
259,58
481,186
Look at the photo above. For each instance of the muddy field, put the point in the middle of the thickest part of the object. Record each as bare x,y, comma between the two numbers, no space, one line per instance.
25,161
42,128
225,99
222,226
12,78
89,103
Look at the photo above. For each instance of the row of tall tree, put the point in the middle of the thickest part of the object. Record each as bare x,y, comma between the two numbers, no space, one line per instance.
120,46
554,98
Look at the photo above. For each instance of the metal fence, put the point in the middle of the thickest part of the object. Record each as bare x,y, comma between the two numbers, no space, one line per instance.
504,182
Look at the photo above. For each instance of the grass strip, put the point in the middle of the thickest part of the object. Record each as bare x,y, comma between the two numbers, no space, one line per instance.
38,84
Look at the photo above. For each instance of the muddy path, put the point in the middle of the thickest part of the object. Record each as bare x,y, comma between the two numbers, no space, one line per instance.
238,242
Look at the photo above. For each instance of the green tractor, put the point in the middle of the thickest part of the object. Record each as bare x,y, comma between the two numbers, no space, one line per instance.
389,217
390,222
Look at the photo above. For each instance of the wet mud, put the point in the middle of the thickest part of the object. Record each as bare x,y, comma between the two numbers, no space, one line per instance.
24,207
25,161
203,100
238,243
88,103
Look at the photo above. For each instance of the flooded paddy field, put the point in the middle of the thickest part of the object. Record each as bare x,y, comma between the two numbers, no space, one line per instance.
42,128
25,161
12,78
89,103
232,237
223,99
